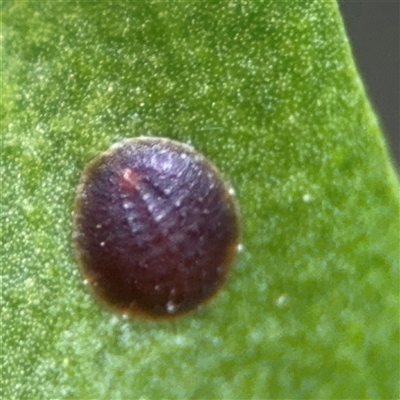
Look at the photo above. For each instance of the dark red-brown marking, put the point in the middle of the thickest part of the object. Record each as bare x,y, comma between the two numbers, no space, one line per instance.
156,228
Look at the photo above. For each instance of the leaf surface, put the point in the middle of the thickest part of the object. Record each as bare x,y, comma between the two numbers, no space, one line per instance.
269,92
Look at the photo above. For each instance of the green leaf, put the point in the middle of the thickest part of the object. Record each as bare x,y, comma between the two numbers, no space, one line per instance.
269,92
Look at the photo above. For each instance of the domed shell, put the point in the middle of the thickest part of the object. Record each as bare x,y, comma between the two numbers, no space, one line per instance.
156,228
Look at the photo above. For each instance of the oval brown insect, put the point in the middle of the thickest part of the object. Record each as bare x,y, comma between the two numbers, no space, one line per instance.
156,228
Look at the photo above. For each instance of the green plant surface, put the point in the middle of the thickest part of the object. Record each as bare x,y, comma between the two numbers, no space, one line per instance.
270,93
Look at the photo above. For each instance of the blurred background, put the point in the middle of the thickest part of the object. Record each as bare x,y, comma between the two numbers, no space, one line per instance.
374,31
